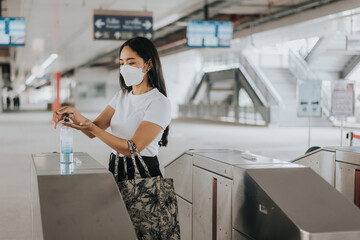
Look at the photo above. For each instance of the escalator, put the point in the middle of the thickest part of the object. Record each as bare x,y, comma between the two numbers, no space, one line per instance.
223,88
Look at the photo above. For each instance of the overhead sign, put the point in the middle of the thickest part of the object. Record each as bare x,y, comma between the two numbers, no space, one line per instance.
209,33
342,99
309,99
12,31
120,25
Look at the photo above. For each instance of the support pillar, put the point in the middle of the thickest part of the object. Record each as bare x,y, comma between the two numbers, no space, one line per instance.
208,89
236,96
27,95
57,103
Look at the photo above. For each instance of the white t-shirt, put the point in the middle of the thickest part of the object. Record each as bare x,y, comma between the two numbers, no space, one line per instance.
131,110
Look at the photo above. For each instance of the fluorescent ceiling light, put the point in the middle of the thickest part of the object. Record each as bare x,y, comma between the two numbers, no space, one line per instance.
165,21
30,79
44,65
49,61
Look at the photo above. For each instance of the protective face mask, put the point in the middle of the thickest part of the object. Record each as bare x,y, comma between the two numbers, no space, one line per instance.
132,75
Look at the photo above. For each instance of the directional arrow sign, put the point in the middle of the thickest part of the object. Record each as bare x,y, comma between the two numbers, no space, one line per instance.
147,24
99,23
98,34
148,35
120,25
117,35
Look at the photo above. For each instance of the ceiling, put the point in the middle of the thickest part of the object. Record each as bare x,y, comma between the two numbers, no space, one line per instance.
65,26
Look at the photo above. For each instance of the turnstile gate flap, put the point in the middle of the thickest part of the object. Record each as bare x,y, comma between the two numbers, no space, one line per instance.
307,200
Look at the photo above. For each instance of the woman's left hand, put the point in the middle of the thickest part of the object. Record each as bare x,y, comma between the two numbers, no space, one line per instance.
86,125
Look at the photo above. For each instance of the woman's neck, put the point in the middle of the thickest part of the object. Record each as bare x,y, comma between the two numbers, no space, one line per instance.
142,88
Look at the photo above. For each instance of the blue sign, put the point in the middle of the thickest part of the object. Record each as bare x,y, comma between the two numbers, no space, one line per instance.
122,26
12,31
209,33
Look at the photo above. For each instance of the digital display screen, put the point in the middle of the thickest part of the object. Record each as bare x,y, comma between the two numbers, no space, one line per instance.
209,33
12,31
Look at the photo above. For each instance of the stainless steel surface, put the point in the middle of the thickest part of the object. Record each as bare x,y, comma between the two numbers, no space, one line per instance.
79,203
203,205
238,236
181,172
348,156
269,199
50,162
223,210
344,149
336,165
222,162
36,230
345,179
185,218
322,162
297,199
235,157
213,166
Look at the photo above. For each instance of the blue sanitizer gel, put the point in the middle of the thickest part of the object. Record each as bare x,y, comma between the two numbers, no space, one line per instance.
66,143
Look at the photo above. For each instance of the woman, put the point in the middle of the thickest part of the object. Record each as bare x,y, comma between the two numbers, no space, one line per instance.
140,111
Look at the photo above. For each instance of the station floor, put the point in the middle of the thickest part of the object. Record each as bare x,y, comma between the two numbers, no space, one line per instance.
24,133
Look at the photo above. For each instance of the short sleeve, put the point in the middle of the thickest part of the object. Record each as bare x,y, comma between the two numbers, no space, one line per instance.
159,112
114,100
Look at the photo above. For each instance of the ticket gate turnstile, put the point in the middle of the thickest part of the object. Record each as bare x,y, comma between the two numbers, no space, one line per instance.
339,166
76,201
229,194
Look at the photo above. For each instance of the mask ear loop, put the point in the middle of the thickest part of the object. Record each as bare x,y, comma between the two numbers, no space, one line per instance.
151,82
144,66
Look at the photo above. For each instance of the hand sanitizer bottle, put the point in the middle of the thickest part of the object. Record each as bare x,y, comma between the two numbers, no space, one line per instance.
66,143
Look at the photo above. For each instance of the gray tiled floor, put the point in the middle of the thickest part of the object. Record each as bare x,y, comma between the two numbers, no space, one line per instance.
30,132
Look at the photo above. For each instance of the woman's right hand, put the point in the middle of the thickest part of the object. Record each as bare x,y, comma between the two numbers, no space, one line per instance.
72,112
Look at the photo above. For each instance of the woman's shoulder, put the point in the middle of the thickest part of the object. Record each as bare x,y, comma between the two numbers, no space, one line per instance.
121,94
157,95
159,109
159,98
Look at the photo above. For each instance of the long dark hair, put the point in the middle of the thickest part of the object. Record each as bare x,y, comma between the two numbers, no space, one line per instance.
147,51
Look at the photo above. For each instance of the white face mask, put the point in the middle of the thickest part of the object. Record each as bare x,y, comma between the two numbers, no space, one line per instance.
132,75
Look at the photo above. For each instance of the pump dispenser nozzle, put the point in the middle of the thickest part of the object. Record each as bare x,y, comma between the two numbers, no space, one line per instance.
67,118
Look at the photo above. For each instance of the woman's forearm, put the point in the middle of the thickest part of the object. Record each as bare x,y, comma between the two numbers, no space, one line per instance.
87,133
118,144
99,125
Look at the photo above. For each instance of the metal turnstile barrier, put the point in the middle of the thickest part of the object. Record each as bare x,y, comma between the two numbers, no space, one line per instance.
229,194
339,166
353,139
76,201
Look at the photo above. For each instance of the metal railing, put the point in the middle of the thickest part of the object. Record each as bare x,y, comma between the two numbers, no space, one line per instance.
319,45
262,83
299,67
196,80
225,113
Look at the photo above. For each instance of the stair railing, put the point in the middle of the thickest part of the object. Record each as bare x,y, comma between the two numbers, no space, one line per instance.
225,113
196,80
299,67
261,82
